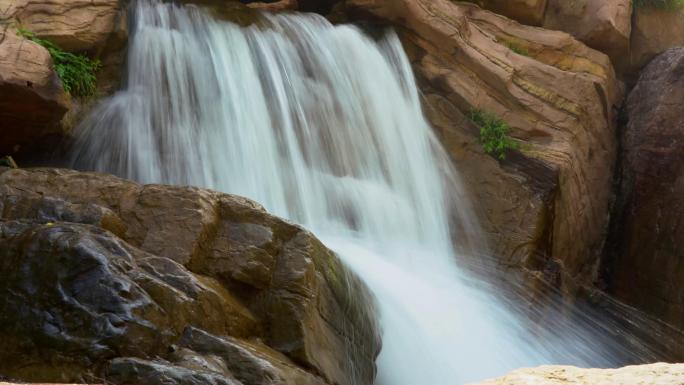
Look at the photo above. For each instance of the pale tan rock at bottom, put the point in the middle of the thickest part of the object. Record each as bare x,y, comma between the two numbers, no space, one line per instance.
654,374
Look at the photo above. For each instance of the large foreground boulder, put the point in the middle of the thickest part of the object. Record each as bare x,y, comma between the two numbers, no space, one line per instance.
655,374
103,277
32,100
647,265
545,207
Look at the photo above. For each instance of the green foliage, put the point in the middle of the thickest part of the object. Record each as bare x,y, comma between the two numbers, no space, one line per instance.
76,71
660,4
520,50
493,133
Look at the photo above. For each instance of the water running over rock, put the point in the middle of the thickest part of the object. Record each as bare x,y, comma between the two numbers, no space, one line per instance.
323,125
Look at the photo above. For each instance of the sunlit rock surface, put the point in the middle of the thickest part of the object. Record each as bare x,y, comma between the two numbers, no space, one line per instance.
603,25
74,25
106,277
655,374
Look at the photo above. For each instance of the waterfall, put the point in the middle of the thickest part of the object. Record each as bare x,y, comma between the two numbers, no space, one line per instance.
322,125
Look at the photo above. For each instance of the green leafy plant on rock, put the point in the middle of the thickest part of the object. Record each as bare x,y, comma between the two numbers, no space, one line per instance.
660,4
76,71
515,47
493,133
520,50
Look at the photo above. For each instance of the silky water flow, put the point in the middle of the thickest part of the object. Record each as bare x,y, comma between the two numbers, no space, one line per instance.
322,125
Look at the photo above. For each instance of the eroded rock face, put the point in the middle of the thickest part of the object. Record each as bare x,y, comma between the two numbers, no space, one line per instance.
74,25
647,269
655,374
32,101
546,206
160,279
602,25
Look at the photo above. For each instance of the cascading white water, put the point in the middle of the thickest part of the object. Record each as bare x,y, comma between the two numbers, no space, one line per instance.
322,125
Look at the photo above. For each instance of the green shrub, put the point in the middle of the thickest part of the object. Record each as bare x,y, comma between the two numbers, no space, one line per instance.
76,71
660,4
493,133
520,50
514,46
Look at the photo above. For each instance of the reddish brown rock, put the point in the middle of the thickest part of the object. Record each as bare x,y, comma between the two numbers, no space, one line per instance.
74,25
277,6
603,25
654,31
32,101
529,12
546,206
647,268
34,110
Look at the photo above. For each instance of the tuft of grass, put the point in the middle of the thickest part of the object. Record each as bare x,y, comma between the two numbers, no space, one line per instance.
493,133
520,50
513,46
660,4
76,71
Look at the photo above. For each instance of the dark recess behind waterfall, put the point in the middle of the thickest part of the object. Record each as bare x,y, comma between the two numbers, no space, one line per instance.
319,6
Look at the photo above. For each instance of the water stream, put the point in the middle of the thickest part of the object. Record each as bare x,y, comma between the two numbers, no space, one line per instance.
322,125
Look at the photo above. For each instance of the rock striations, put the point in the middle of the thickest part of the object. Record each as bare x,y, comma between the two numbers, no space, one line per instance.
546,206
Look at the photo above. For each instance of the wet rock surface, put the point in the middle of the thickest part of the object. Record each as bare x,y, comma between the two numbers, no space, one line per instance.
134,370
106,277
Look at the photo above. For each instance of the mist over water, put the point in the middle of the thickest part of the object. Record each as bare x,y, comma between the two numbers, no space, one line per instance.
323,125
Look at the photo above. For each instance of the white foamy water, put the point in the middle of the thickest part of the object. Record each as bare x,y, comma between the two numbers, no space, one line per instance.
322,125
